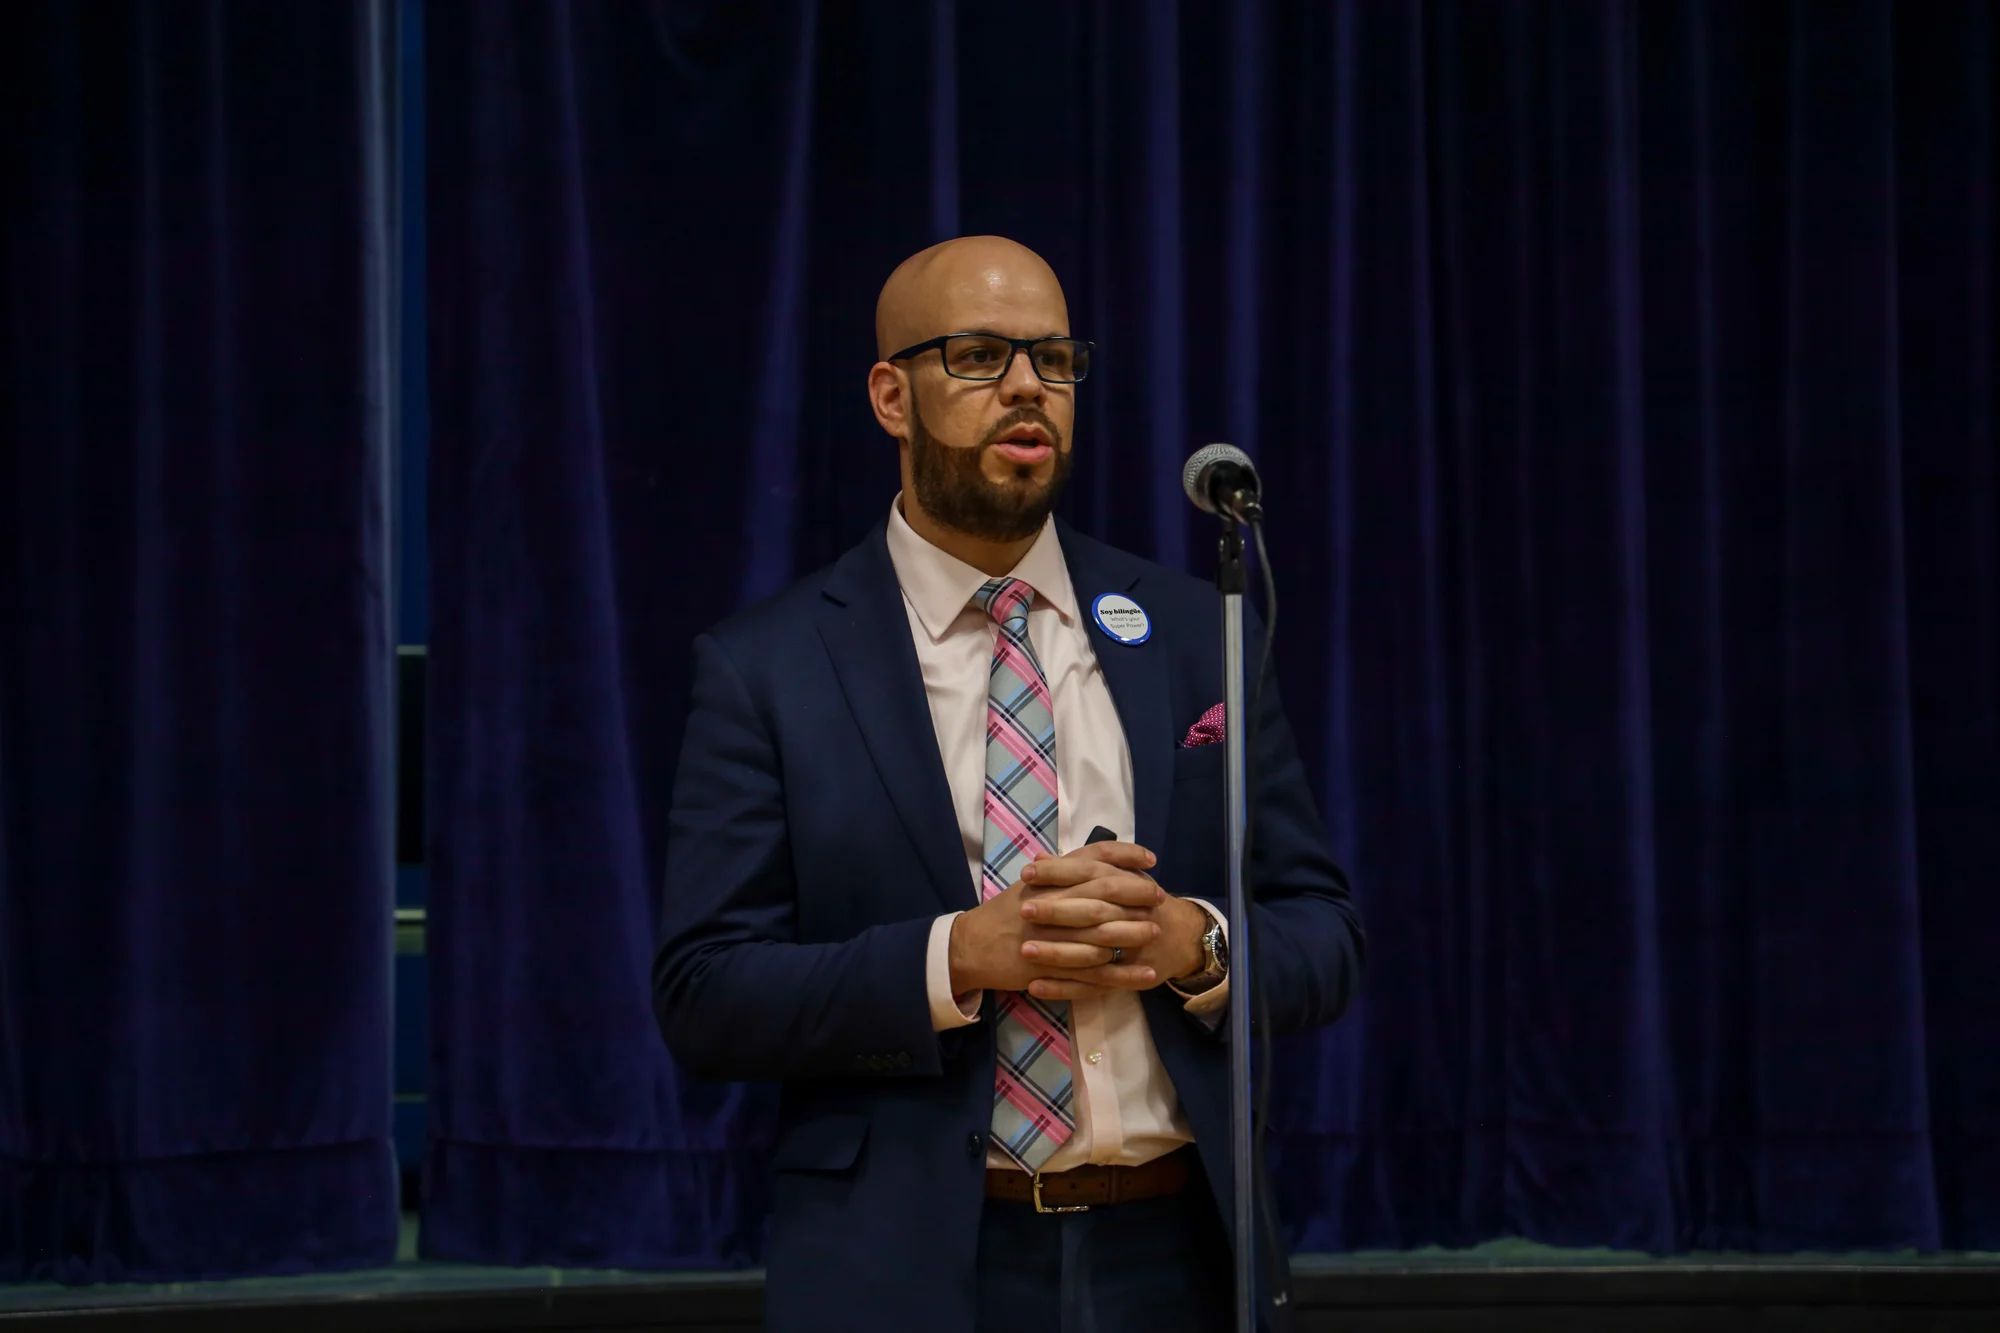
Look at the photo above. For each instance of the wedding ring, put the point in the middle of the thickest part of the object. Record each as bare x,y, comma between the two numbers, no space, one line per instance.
1117,955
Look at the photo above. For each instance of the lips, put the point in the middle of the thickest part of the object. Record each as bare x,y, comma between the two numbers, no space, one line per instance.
1027,444
1029,454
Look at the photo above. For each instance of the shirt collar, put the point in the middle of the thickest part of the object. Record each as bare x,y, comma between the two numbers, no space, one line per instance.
940,585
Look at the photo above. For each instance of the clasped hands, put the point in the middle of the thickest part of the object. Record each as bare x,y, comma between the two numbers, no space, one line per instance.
1078,925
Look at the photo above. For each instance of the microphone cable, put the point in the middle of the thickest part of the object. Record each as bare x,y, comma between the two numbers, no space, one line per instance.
1277,1264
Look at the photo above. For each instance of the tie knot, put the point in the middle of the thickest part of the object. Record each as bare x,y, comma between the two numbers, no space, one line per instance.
1006,600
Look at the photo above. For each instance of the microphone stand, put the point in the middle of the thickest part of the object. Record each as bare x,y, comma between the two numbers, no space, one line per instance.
1230,581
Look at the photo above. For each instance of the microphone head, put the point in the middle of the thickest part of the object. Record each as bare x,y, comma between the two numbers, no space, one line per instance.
1202,464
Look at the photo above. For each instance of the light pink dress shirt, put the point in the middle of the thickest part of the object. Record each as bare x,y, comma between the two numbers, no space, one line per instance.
1126,1109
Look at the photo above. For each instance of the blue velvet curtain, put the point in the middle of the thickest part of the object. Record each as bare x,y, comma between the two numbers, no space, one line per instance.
194,642
1624,379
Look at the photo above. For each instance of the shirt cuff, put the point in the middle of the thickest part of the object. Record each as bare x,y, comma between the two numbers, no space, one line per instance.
948,1011
1212,1003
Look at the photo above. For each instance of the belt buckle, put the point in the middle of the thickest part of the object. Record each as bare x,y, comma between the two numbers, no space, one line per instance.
1041,1207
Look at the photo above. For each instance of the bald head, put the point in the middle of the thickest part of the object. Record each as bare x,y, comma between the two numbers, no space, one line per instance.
970,283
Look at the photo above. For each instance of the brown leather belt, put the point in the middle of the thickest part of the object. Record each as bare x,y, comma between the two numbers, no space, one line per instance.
1082,1188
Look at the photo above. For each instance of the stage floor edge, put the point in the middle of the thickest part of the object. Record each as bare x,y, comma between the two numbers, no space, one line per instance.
1502,1285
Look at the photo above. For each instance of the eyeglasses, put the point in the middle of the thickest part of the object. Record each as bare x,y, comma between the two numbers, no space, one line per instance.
988,356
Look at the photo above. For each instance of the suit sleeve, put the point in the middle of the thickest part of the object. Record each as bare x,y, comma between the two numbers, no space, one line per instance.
736,994
1309,945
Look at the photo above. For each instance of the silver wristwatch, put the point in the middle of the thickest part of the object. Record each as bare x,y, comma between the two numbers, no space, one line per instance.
1215,966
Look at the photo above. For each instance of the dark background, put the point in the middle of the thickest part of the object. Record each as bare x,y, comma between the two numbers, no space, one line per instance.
1622,375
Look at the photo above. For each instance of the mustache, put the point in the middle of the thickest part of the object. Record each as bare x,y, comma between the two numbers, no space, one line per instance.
1020,416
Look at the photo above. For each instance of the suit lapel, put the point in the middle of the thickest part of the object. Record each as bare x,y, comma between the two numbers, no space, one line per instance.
1137,675
867,634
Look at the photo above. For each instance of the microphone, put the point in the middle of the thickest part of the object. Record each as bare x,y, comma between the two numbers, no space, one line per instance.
1221,479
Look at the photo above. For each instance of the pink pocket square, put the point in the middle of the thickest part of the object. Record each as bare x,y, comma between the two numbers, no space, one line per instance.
1208,731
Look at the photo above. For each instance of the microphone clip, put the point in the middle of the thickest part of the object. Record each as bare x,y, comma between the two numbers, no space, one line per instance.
1230,575
1244,505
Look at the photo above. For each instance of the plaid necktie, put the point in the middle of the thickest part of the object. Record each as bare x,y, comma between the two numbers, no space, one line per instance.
1031,1084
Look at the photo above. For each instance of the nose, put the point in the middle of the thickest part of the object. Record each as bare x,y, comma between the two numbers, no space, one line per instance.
1021,384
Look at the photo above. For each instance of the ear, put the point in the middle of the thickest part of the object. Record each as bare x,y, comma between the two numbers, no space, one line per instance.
889,395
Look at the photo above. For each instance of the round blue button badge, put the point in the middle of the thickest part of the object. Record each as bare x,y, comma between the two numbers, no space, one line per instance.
1121,618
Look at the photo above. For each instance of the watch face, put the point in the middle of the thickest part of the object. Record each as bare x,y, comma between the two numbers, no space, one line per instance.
1218,948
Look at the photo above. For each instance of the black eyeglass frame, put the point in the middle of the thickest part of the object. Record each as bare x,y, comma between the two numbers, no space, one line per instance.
1014,345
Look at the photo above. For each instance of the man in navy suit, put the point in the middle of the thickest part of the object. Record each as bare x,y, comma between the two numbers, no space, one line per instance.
889,885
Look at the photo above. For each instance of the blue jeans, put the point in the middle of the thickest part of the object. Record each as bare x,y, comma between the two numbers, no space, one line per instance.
1154,1266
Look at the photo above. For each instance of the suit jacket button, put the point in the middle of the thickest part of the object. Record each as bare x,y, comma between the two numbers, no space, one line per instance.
975,1144
902,1059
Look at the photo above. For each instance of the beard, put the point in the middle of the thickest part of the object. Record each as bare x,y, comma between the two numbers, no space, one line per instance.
956,493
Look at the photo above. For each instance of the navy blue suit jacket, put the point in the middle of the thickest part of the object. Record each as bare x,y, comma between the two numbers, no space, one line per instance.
813,842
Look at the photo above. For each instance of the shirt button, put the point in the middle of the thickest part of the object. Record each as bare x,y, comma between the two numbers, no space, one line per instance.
1094,1056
